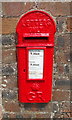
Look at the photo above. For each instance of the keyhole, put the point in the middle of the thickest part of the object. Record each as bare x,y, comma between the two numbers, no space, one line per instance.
24,70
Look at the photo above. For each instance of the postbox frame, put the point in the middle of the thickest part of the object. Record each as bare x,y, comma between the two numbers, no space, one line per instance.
26,85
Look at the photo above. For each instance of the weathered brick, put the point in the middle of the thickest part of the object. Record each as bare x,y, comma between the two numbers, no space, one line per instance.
55,107
28,115
66,69
12,9
0,39
11,106
11,116
63,84
71,42
0,69
38,107
13,46
9,94
0,112
61,74
61,24
65,106
9,25
31,107
0,95
60,116
69,24
36,115
62,57
19,116
0,25
0,87
9,69
8,39
8,116
43,115
64,110
71,94
8,56
56,8
28,6
0,81
5,116
9,82
71,56
16,8
0,9
61,95
63,42
60,41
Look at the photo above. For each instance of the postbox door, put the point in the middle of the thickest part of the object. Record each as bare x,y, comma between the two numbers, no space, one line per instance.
35,82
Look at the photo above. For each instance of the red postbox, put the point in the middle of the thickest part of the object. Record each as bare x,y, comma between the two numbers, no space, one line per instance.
35,49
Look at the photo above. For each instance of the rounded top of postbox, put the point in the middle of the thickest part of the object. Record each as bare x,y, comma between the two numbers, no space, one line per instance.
36,22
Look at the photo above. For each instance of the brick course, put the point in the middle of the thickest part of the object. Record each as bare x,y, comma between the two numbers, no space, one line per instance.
61,104
9,56
12,9
9,25
11,106
56,8
61,96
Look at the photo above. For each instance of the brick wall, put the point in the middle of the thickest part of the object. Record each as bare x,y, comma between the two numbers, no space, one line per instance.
61,103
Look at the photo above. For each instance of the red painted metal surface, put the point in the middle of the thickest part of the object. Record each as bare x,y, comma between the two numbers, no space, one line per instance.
35,32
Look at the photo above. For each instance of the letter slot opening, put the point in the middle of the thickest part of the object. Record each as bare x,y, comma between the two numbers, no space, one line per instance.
36,35
36,38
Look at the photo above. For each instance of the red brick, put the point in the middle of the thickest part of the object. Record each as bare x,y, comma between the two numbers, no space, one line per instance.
69,24
28,6
39,107
11,106
16,8
27,114
9,25
56,8
43,115
8,56
12,9
61,96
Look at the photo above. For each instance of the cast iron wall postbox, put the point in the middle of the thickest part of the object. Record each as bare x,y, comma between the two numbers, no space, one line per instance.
35,48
